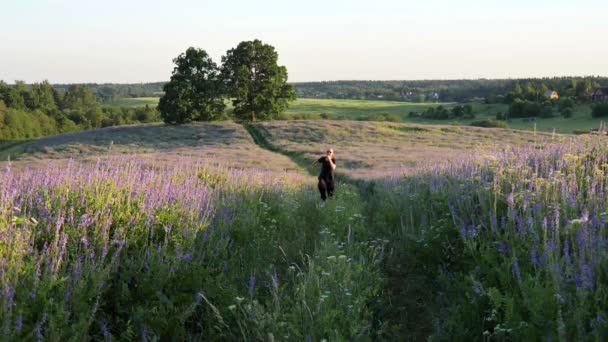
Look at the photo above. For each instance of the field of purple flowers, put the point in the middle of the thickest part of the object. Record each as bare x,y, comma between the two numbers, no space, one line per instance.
511,246
123,250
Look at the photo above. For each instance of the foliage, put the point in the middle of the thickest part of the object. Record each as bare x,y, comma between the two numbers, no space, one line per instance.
118,250
30,111
529,263
490,123
194,92
255,82
524,109
599,110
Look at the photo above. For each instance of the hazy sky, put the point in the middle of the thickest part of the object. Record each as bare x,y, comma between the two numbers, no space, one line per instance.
135,40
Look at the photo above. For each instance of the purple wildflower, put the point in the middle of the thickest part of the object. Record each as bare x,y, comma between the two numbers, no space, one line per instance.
516,271
502,248
476,289
104,330
19,323
199,296
534,257
251,286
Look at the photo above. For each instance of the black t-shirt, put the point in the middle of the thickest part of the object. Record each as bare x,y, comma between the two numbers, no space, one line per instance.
326,171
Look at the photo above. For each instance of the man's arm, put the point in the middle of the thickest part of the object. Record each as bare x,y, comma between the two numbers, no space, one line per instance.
332,162
314,162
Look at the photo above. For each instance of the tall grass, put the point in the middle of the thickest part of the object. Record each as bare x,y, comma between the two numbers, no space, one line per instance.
512,246
122,250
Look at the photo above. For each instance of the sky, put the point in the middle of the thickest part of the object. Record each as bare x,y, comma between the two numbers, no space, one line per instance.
132,41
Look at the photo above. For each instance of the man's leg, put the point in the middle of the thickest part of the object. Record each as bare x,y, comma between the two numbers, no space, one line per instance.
322,189
330,188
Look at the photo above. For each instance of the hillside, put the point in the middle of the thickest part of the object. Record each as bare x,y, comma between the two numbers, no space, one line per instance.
378,110
364,149
376,150
165,233
224,143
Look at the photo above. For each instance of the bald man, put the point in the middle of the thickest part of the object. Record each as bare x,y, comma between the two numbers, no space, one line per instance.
326,178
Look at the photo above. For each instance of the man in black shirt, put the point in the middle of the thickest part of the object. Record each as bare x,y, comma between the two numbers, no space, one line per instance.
326,178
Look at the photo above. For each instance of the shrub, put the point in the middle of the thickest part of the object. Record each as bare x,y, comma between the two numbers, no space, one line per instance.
567,112
599,110
546,112
490,124
564,103
524,109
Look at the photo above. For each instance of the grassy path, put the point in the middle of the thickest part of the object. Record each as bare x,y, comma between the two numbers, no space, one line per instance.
400,306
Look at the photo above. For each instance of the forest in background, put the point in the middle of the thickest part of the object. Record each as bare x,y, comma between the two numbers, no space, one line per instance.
411,91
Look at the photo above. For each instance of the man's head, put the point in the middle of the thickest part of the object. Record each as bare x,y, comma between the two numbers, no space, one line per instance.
330,152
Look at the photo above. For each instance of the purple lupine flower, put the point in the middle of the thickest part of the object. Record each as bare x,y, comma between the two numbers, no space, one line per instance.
502,248
38,328
516,271
199,296
18,323
251,286
534,257
476,289
104,330
587,277
537,207
144,334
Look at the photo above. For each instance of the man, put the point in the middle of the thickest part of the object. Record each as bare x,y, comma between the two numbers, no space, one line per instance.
326,178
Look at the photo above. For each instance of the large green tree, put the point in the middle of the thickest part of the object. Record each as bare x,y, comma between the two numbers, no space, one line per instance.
195,92
255,82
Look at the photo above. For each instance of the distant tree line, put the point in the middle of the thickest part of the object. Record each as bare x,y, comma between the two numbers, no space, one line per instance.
39,109
249,76
443,113
446,90
495,90
109,92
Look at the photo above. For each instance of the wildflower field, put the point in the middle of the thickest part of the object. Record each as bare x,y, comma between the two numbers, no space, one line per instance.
508,244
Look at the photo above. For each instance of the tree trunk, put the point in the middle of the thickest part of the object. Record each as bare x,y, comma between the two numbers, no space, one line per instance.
252,116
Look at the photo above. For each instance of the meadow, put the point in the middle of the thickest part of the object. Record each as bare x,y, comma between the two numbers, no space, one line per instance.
153,232
371,110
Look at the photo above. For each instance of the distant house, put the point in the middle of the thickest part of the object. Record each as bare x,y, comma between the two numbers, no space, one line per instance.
599,94
551,94
433,95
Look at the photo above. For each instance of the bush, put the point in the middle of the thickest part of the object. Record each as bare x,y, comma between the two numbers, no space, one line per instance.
524,109
564,103
490,124
567,112
599,110
546,112
381,117
500,116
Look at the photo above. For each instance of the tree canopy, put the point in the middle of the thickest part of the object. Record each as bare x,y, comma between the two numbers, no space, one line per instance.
194,91
255,82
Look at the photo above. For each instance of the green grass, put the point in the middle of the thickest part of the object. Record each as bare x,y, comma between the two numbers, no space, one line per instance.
134,102
159,246
353,109
359,109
